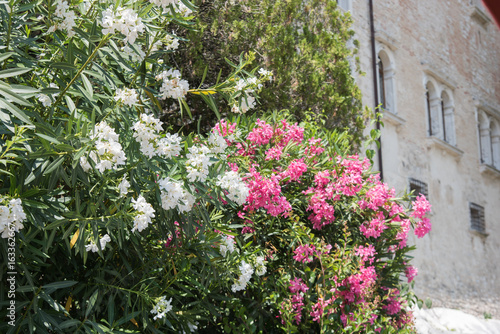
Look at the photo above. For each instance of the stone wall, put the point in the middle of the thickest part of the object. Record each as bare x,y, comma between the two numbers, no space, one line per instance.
455,46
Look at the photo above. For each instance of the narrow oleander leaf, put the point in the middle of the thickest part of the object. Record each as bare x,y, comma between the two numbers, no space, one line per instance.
12,72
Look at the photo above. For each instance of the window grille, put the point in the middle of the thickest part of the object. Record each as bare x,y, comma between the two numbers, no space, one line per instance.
418,187
477,218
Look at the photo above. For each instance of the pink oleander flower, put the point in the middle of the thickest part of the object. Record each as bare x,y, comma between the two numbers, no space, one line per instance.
319,308
410,273
261,134
304,253
376,197
274,153
423,227
366,253
266,193
393,306
314,149
322,178
295,170
420,207
375,227
297,285
402,234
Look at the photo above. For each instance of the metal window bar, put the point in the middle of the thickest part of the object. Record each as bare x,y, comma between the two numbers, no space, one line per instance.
477,218
418,186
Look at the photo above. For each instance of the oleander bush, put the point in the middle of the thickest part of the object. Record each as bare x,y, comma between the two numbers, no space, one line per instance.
112,222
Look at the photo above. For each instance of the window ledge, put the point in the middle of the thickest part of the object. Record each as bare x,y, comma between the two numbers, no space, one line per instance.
392,118
446,147
482,234
489,170
480,16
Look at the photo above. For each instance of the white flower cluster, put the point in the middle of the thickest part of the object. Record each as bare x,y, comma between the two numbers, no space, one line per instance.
45,99
246,274
217,143
136,56
93,247
174,195
67,16
226,245
172,42
11,218
173,86
125,21
146,134
260,267
123,186
177,5
198,163
127,96
146,212
109,151
244,89
161,308
237,189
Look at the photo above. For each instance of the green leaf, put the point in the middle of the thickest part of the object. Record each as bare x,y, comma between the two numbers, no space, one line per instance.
91,303
12,72
87,85
6,55
64,66
56,163
52,140
59,285
15,111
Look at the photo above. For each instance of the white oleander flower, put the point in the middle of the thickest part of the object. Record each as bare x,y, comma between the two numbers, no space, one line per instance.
198,163
93,247
246,274
173,195
67,16
11,217
108,153
123,186
237,189
146,212
146,133
123,20
127,96
226,245
260,267
217,143
173,86
162,307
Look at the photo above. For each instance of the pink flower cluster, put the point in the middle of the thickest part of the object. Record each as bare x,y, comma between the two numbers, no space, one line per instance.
295,170
296,287
420,208
374,227
366,253
306,253
410,273
266,193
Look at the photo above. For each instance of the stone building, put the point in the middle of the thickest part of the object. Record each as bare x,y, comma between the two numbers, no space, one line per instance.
434,66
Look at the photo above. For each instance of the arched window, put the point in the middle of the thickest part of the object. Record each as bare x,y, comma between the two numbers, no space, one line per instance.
495,143
440,111
448,118
485,138
433,110
385,80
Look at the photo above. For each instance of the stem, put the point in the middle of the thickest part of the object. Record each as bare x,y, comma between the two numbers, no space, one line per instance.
89,59
28,308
